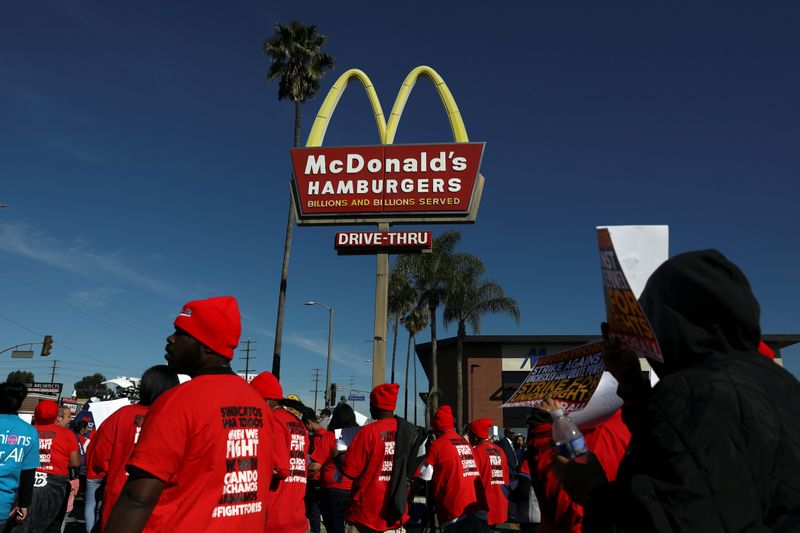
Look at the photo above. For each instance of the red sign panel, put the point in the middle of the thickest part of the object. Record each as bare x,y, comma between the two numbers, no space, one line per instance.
397,242
387,180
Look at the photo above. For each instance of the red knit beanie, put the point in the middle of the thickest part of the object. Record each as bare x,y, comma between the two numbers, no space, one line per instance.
268,386
480,427
214,322
45,412
443,419
384,397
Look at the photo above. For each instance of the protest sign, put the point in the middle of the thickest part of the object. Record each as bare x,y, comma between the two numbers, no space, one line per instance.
640,251
626,320
102,410
570,377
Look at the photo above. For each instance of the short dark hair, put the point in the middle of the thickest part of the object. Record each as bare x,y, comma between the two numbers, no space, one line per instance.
325,412
308,415
343,417
156,380
11,396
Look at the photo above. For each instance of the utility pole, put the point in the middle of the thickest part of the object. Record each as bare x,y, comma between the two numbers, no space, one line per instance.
53,372
247,358
315,390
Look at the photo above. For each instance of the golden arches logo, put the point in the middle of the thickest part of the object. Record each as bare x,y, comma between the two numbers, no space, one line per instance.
386,130
442,183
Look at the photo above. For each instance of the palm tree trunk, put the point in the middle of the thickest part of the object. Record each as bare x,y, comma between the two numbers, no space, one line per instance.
296,124
287,250
434,388
462,332
414,342
408,360
394,344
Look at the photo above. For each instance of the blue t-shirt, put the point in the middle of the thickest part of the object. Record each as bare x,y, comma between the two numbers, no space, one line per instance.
19,450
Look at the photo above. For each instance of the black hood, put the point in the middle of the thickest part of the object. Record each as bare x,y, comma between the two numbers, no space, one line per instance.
700,304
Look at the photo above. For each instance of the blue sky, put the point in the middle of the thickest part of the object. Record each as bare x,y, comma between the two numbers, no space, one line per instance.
145,161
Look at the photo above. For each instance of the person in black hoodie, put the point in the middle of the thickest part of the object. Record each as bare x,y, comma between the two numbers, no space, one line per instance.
715,444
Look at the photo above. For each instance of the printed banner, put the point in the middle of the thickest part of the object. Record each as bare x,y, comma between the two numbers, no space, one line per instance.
570,377
386,180
51,389
626,320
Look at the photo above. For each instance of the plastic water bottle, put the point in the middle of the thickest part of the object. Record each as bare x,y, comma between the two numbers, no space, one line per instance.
568,438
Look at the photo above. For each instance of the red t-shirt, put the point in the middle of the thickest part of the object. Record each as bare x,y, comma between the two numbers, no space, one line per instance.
56,444
455,477
368,461
110,450
287,508
315,440
493,469
608,441
209,441
330,476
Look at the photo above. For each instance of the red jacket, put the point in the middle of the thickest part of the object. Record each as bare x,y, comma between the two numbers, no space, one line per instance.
608,441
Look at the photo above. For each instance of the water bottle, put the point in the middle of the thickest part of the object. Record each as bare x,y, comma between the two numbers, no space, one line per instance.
568,438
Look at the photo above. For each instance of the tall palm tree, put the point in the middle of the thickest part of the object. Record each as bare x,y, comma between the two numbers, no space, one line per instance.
402,299
415,321
429,274
298,62
469,298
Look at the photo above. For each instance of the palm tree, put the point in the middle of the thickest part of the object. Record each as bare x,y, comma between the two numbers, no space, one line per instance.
468,299
415,321
429,274
402,299
298,62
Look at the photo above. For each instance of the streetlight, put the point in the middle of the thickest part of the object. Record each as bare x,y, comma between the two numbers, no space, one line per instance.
330,337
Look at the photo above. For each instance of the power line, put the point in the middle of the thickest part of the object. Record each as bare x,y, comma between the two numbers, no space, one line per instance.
96,359
83,312
116,306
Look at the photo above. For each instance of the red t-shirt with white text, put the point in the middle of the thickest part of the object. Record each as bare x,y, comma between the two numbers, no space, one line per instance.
56,444
209,441
330,476
369,462
455,476
287,508
493,469
110,449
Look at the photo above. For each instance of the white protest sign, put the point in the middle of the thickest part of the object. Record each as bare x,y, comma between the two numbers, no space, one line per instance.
102,410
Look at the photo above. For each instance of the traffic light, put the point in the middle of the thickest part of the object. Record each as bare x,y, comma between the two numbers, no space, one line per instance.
330,395
47,345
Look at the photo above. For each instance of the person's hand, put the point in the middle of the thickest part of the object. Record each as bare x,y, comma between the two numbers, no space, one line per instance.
580,476
22,513
550,405
624,365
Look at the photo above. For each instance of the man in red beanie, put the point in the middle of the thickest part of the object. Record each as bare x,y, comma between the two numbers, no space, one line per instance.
369,462
203,458
493,470
450,466
58,452
290,438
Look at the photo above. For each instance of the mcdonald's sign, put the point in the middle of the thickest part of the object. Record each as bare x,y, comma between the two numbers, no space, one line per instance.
424,183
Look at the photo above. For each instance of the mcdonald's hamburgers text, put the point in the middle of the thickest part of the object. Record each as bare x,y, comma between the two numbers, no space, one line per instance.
386,180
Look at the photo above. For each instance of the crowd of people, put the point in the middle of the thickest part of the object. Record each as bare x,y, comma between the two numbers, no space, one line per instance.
714,446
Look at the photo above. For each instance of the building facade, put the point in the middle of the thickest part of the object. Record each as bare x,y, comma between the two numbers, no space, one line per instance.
493,367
